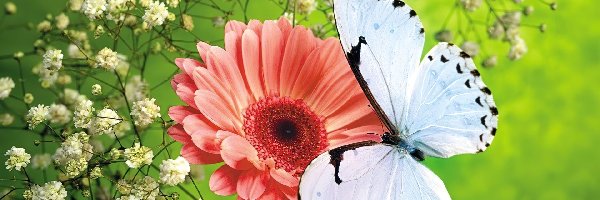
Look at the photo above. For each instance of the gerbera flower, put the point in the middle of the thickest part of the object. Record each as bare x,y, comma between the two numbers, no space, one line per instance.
266,105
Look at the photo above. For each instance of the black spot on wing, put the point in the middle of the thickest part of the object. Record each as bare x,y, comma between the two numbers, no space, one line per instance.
475,73
464,55
494,110
478,101
412,13
430,58
493,132
486,91
337,155
467,83
458,69
354,55
444,59
417,155
487,144
483,121
481,137
422,31
398,3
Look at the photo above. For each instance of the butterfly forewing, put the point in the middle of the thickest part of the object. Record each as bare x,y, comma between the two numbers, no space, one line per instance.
451,111
370,172
383,47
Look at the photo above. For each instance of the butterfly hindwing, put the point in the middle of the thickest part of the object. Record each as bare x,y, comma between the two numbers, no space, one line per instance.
370,172
383,47
451,110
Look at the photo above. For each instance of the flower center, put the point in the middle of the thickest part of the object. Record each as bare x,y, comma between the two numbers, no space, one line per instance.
285,130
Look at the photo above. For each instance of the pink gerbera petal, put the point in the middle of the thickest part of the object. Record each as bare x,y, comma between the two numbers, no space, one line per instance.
266,105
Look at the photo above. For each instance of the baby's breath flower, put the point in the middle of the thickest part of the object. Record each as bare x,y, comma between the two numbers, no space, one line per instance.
444,36
28,98
173,3
44,26
83,114
74,52
74,154
6,85
171,16
10,8
116,8
64,79
553,6
137,156
96,89
517,49
115,154
471,5
17,159
99,31
496,31
75,5
123,67
130,21
72,98
96,173
107,59
59,114
156,14
120,129
306,6
53,59
53,190
41,161
145,3
173,172
136,89
105,120
144,112
511,19
490,61
219,21
94,9
62,21
37,115
471,48
18,55
187,22
6,119
146,188
528,10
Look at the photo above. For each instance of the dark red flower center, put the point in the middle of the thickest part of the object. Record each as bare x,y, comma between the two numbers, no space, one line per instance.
285,130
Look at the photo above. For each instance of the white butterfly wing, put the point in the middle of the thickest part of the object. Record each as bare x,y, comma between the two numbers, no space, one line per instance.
370,172
451,110
390,49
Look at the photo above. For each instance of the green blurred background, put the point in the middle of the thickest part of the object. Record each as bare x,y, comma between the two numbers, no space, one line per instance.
546,145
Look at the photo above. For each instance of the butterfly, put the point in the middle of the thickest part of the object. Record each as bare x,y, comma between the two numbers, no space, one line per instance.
436,107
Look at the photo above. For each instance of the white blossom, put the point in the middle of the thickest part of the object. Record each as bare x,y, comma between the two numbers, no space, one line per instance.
107,59
518,48
471,48
28,98
41,161
306,6
96,173
123,67
6,119
59,114
136,89
137,156
146,188
96,89
173,3
144,112
44,26
116,8
6,85
53,190
10,8
173,172
187,22
74,154
72,98
471,5
17,159
37,115
156,14
83,114
53,59
74,52
94,9
62,21
104,121
75,5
